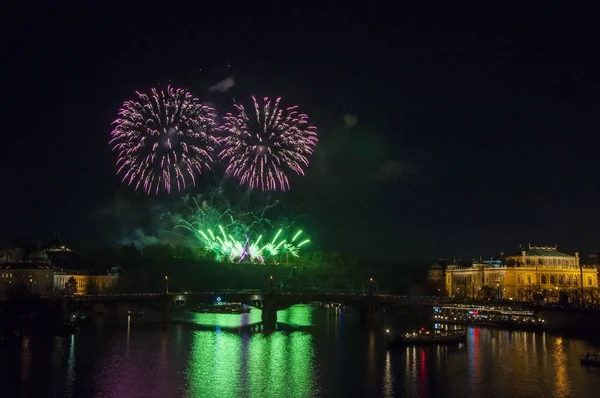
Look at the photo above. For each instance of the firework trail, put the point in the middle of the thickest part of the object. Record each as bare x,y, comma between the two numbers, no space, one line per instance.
261,148
164,140
231,240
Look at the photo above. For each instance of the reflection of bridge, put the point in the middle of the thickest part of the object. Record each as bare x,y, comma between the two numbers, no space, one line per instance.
268,302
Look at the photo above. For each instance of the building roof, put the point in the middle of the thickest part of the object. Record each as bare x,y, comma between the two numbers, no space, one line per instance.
547,253
25,266
542,251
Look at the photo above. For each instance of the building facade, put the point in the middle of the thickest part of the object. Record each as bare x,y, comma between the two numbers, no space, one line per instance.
38,274
85,283
22,274
435,279
536,272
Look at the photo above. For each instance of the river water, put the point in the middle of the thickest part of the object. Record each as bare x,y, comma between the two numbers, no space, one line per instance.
315,353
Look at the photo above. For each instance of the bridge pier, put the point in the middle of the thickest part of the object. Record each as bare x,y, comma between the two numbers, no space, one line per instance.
269,314
165,307
369,311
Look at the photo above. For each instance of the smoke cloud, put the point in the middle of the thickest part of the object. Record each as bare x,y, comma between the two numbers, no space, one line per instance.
223,86
350,120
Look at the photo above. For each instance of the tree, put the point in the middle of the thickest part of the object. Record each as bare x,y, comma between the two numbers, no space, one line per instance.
71,286
486,293
184,252
158,251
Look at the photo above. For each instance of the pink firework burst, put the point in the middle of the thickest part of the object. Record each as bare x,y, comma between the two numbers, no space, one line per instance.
164,140
260,149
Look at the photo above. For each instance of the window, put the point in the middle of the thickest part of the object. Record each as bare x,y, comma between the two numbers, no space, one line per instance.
544,279
589,280
568,280
560,280
552,280
529,279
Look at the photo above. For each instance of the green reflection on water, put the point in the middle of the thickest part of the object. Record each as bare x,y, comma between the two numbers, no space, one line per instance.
214,361
298,315
277,365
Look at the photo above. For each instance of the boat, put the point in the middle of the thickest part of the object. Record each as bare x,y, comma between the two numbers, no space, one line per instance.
590,360
222,308
429,337
488,316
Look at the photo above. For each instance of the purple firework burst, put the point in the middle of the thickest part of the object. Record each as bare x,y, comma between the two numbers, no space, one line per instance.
164,140
261,148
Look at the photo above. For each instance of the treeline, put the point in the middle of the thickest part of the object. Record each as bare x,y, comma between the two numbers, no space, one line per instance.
189,268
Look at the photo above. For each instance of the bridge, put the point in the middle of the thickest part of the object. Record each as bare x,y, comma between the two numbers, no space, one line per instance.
268,301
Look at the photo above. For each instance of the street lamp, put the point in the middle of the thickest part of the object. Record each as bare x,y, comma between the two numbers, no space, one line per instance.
371,281
166,284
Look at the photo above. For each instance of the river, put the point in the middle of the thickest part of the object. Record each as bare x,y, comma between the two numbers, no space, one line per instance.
315,353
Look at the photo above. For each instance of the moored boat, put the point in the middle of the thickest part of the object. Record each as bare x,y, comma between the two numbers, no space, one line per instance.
429,337
222,308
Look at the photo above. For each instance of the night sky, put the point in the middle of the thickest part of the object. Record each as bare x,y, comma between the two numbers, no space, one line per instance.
456,131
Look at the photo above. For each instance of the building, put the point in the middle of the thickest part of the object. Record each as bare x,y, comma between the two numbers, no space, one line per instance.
536,272
435,279
46,272
31,274
89,280
86,283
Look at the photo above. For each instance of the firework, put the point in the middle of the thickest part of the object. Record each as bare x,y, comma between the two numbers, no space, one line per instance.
262,148
163,140
233,241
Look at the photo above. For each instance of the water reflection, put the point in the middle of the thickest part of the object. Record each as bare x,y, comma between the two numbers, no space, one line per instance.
562,383
71,367
298,315
388,377
127,360
228,365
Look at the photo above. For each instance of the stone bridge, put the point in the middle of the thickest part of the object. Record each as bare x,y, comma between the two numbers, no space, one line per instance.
269,302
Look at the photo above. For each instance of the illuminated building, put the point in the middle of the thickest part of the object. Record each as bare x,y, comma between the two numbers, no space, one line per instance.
86,283
33,272
68,264
43,274
536,272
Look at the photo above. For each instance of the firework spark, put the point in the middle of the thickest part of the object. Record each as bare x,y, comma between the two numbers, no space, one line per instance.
164,140
233,241
262,148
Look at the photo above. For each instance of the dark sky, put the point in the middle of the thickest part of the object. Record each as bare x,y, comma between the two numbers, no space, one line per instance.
475,129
